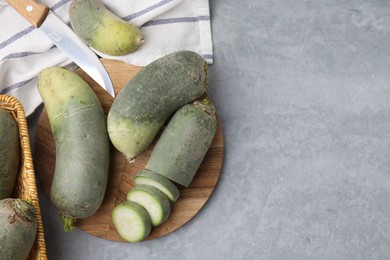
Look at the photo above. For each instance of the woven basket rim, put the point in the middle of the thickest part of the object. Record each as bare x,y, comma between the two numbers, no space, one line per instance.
26,182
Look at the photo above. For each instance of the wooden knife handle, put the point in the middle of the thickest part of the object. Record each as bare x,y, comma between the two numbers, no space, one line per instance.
31,10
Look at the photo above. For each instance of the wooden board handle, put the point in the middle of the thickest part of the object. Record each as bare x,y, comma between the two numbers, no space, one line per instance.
31,10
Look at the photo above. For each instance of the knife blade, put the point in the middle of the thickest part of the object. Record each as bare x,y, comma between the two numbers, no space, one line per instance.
41,17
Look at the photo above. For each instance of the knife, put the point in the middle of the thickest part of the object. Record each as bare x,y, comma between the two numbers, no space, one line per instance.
41,17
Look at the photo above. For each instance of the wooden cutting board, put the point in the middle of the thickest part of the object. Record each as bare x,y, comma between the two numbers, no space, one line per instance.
121,174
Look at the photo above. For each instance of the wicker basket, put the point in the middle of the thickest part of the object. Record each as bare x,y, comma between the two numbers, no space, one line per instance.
25,186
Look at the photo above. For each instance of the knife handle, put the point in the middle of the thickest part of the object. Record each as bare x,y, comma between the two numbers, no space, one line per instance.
31,10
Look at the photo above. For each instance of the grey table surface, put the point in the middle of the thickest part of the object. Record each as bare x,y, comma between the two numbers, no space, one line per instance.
302,90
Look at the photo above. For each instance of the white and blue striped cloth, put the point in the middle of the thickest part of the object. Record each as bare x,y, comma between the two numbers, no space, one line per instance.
167,26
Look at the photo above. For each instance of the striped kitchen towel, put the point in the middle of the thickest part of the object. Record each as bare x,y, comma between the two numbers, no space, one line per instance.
167,26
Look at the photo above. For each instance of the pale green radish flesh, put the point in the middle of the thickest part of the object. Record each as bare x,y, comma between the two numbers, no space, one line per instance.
132,221
146,177
153,200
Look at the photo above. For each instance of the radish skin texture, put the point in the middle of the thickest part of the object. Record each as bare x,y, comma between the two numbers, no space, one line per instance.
103,30
18,229
151,96
184,143
132,221
146,177
82,146
153,200
9,153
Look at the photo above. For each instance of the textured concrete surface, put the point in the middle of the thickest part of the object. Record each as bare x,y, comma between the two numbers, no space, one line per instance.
302,90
